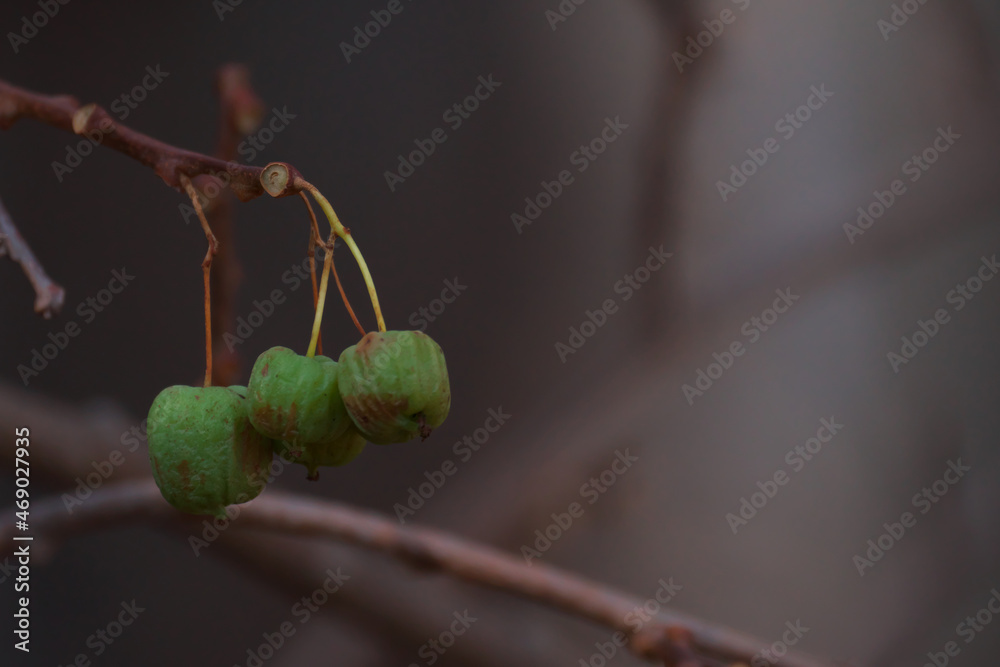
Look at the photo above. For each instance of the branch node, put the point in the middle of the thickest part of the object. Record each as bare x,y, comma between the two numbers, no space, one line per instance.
82,117
280,179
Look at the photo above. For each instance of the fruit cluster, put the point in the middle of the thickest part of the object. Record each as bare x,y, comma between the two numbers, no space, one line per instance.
212,446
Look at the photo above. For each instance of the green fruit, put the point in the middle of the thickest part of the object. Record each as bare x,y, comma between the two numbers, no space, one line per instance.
337,452
294,399
204,451
395,385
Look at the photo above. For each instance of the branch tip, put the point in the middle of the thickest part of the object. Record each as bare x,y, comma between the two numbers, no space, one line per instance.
280,179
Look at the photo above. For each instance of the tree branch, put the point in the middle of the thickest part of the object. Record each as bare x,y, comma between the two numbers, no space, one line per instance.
672,638
49,296
167,161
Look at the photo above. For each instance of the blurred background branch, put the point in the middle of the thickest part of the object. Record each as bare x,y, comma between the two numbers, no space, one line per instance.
49,296
422,548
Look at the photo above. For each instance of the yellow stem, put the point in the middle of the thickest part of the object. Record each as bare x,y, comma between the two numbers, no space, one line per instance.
349,240
318,320
342,232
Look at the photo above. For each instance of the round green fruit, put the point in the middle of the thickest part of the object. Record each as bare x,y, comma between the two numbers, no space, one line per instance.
395,385
204,451
294,399
337,452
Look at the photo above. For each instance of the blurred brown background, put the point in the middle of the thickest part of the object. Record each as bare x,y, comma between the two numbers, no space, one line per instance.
656,184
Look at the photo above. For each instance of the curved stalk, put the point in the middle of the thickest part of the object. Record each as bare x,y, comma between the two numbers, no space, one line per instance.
344,233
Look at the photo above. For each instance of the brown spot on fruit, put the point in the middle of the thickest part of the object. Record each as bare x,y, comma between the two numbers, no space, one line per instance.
387,378
367,342
184,470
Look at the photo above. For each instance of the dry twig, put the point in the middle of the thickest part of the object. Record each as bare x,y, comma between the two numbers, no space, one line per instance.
169,162
49,296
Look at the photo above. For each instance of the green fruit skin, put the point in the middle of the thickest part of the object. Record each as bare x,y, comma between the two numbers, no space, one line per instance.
390,378
204,452
347,447
294,399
